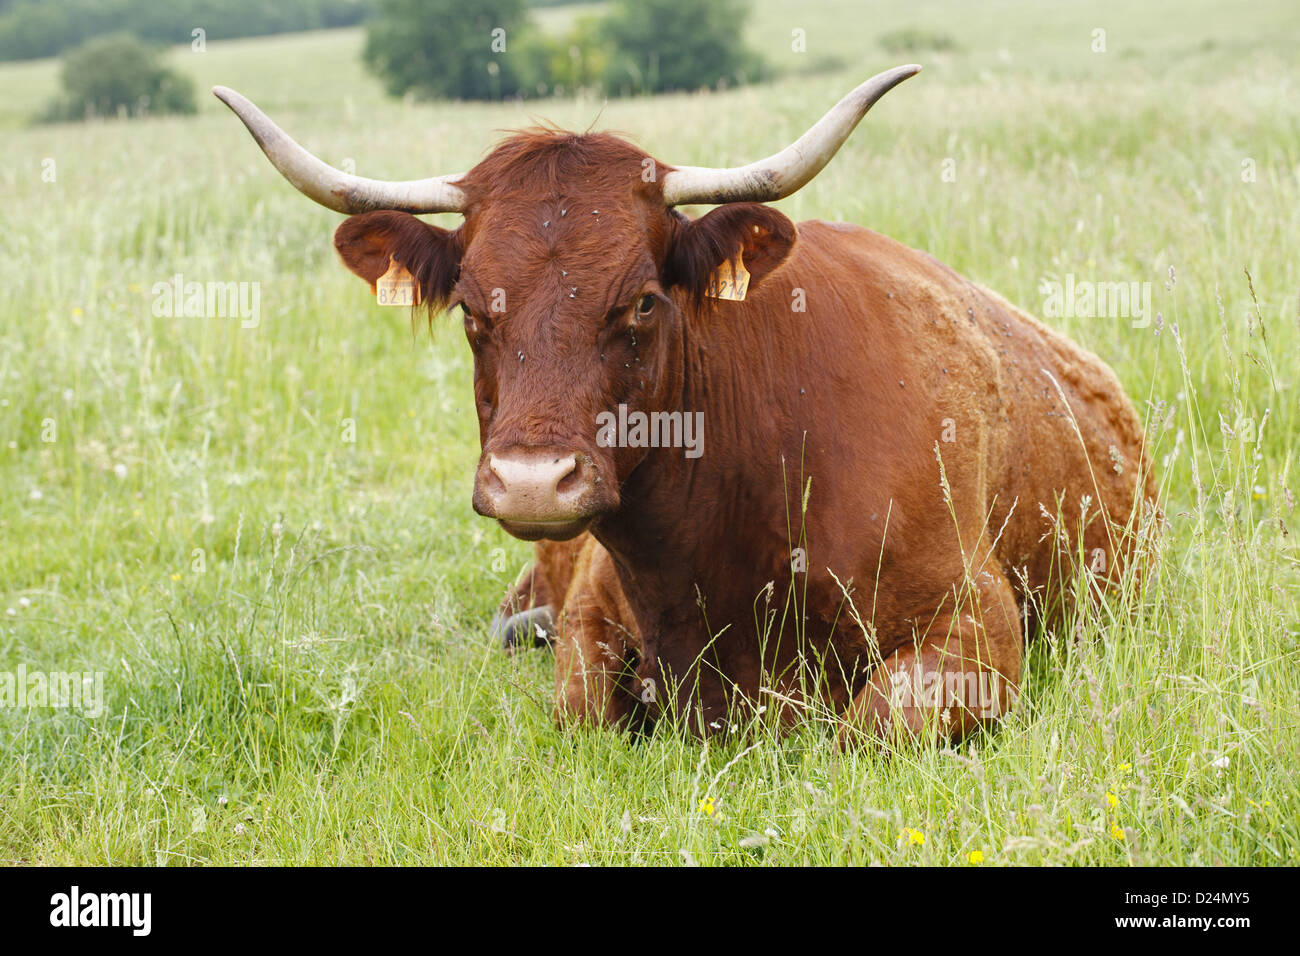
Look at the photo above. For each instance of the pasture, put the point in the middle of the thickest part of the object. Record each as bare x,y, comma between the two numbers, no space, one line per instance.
258,528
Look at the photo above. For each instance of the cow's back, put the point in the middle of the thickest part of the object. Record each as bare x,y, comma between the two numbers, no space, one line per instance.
1058,438
1077,453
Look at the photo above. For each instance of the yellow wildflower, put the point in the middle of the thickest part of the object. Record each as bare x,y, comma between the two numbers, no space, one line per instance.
706,806
975,857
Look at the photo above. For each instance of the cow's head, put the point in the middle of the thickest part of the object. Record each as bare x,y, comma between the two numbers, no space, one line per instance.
574,274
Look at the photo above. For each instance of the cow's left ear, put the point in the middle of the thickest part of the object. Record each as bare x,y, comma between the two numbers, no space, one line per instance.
763,236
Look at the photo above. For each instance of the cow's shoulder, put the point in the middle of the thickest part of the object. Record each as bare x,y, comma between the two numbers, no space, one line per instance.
871,256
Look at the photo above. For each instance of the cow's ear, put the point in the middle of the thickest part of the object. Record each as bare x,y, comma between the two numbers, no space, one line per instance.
368,243
763,236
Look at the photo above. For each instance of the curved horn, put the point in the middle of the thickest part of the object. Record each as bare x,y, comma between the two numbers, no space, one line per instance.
334,188
778,176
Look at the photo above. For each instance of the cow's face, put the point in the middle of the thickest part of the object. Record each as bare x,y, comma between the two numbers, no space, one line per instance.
577,282
574,282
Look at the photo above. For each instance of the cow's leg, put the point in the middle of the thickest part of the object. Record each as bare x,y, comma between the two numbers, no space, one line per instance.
526,617
962,671
532,628
591,672
596,648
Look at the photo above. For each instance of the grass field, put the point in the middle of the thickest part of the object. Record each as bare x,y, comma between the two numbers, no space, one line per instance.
291,624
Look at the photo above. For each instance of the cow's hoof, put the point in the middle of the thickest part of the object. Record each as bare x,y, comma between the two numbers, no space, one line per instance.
531,628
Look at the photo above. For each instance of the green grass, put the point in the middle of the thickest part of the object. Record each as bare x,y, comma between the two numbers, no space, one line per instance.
291,626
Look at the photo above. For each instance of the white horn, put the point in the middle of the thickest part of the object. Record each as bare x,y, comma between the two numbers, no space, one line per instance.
334,188
780,175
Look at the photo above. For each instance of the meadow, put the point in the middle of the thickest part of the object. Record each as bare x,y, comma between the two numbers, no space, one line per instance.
260,532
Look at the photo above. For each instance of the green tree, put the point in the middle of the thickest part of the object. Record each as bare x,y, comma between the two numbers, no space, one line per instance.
120,73
578,58
678,45
450,49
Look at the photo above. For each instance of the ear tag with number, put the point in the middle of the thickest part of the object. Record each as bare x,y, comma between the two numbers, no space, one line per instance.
729,280
396,286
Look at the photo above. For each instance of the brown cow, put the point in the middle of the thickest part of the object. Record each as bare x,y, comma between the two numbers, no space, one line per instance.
894,460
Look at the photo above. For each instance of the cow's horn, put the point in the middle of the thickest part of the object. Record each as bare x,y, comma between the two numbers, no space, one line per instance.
334,188
778,176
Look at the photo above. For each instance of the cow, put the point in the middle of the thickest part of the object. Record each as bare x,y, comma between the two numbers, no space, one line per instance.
897,471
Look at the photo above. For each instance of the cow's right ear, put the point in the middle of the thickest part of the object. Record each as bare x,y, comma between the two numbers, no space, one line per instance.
368,243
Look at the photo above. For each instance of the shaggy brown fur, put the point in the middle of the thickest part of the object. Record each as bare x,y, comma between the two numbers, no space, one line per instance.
956,454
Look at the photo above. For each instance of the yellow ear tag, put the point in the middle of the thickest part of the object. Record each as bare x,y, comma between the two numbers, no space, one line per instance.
396,286
729,280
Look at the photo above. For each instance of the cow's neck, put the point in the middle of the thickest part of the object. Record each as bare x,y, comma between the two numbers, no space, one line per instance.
681,519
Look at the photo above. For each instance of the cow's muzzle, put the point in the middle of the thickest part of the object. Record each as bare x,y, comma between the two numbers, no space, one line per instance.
541,492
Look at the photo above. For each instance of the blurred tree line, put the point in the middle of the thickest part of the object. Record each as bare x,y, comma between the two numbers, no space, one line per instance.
491,49
37,28
487,49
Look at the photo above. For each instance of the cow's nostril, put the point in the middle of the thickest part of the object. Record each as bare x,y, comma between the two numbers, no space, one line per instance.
573,479
494,484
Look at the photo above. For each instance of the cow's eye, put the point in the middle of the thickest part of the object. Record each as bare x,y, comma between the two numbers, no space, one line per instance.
472,323
645,306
